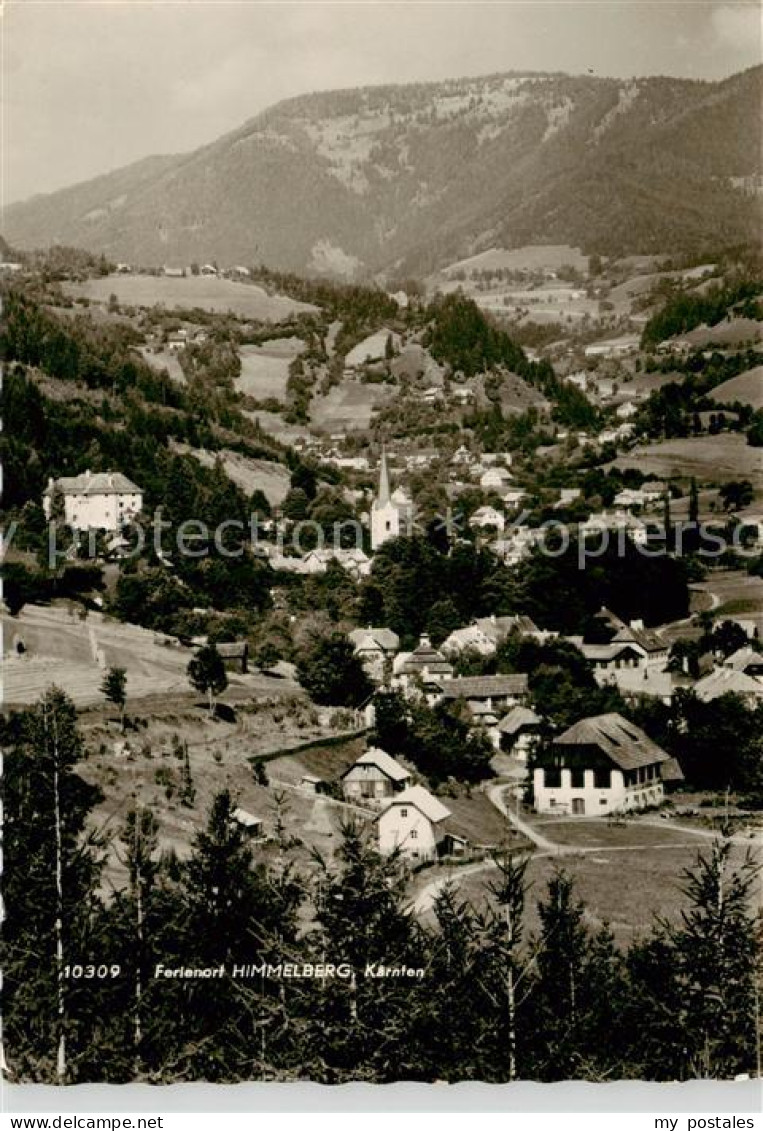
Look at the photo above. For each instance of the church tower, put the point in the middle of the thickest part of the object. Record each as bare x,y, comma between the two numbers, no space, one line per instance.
388,512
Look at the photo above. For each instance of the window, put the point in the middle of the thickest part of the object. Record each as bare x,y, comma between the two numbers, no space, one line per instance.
414,834
577,779
602,779
403,812
552,777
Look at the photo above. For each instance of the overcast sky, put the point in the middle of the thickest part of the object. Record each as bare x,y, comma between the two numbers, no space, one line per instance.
90,85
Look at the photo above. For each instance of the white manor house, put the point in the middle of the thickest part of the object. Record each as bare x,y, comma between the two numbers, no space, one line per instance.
102,500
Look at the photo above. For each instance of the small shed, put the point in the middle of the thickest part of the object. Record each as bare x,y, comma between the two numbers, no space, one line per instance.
311,782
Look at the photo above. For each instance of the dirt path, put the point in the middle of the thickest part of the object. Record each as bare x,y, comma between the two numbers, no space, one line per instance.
496,795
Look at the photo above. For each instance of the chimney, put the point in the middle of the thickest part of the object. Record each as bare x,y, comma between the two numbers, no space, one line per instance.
87,474
637,624
424,641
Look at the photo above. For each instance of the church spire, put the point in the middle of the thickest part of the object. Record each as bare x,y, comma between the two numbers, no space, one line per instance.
383,496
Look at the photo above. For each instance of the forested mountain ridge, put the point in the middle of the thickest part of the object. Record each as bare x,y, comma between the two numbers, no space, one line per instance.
403,179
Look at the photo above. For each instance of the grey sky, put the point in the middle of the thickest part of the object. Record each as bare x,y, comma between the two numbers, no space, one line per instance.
89,85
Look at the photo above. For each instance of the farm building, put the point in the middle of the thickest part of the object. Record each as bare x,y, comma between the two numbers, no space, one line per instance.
603,764
374,778
251,825
235,656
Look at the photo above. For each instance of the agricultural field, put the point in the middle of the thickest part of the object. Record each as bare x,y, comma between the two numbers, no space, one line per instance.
533,257
715,458
220,753
733,333
219,296
263,373
275,426
248,474
625,875
62,648
746,388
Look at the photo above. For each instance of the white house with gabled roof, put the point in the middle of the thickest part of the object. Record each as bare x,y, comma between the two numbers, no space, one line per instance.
414,824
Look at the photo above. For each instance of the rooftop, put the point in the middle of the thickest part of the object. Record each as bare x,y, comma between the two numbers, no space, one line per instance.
624,743
383,761
94,483
419,798
484,686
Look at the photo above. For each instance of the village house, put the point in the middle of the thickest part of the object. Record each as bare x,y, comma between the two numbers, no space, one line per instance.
376,648
517,545
469,639
485,634
642,683
413,824
374,778
424,670
177,340
354,560
432,395
462,456
606,658
613,347
513,498
600,765
101,500
569,495
649,642
488,698
495,479
621,523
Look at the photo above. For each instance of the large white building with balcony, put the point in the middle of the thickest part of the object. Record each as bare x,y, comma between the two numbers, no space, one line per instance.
603,764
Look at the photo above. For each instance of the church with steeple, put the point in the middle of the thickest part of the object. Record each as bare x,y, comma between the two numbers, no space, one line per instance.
391,511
